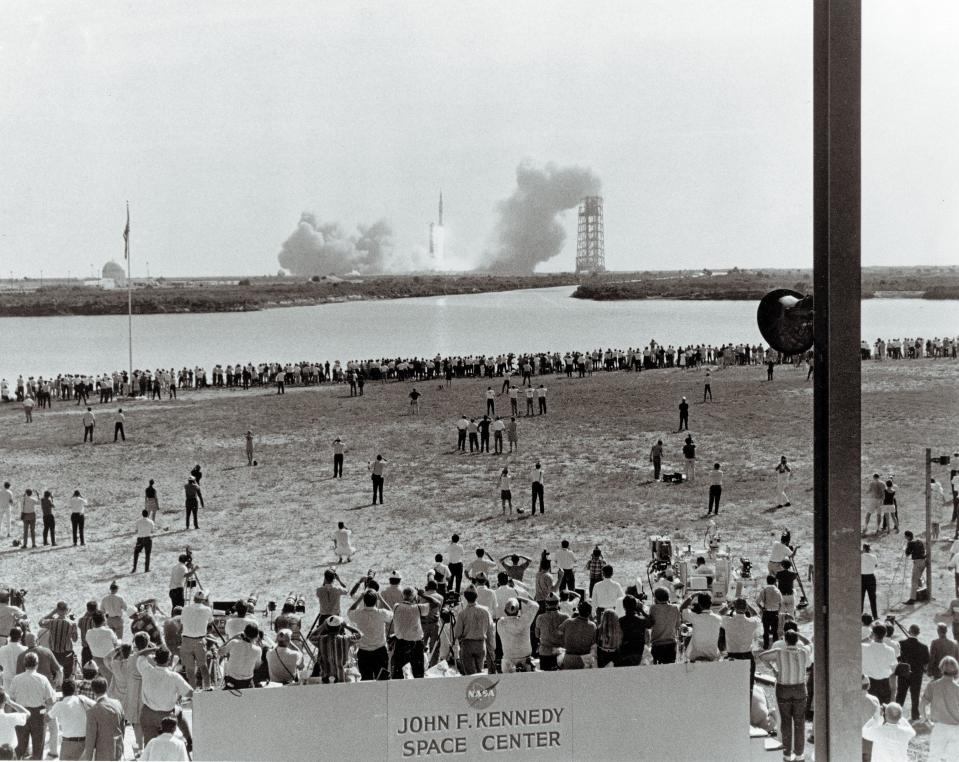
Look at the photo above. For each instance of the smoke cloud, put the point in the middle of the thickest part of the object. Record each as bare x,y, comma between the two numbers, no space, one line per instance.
529,230
324,248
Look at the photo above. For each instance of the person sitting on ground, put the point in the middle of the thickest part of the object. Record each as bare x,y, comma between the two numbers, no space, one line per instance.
704,643
579,639
284,660
513,630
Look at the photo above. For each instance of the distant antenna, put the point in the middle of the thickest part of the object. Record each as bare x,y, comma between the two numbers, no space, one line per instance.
590,246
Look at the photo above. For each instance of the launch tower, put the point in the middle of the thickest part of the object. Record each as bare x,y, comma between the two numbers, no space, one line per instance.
590,248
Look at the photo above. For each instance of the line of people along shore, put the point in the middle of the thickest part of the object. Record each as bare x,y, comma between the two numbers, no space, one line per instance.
164,383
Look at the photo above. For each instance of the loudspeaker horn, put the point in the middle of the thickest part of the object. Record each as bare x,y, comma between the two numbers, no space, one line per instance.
785,319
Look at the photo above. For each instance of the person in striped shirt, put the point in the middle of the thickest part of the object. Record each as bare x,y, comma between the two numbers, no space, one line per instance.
791,662
335,639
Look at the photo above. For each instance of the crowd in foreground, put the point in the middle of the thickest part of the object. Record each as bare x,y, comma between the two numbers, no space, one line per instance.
166,382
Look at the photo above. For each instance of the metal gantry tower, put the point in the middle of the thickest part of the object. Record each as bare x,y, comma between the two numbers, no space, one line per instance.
590,248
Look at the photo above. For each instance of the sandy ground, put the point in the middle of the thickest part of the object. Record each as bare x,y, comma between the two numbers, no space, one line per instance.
267,530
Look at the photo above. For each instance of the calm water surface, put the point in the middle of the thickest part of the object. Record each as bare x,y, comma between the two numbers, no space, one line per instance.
517,321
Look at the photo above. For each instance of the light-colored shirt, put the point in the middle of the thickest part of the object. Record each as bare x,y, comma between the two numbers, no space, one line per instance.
113,605
608,594
704,642
8,661
791,663
878,660
330,596
160,686
196,618
31,690
780,553
6,498
283,663
536,475
70,712
740,632
407,624
8,727
514,632
236,625
942,695
101,641
145,527
889,742
454,553
78,505
372,622
716,477
869,563
565,559
242,657
177,576
165,748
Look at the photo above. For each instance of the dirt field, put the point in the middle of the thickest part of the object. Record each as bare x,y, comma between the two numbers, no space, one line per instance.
267,530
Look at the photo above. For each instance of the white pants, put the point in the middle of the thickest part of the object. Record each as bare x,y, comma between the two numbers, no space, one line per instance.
944,743
6,518
782,498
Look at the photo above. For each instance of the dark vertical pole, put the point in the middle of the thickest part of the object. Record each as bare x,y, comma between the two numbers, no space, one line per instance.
837,418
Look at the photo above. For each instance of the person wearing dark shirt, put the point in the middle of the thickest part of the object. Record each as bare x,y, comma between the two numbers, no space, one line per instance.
916,655
483,427
785,581
194,498
683,415
689,453
634,625
916,550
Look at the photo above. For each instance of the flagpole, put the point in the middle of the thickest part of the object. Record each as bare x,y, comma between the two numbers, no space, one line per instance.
126,239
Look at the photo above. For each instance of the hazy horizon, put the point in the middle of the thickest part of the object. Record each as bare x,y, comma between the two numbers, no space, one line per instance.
223,124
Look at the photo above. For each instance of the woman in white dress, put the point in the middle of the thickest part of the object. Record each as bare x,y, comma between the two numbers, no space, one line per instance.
343,543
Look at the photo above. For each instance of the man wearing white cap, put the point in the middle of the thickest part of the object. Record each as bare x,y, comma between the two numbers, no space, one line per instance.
284,660
514,631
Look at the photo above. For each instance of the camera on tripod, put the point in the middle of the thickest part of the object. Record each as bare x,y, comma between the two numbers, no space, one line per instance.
745,568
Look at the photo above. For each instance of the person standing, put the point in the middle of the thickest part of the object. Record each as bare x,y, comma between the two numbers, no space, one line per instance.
869,562
70,713
377,476
475,633
118,426
529,400
506,492
196,619
656,458
664,619
28,514
473,431
490,401
194,499
144,530
689,453
338,450
415,401
78,508
161,689
715,490
513,400
791,662
28,405
566,567
916,655
62,632
879,664
536,477
707,389
248,440
783,472
683,415
874,494
151,502
114,608
454,560
498,428
461,425
49,520
166,746
940,704
938,501
770,601
6,507
541,396
33,692
511,433
916,550
89,421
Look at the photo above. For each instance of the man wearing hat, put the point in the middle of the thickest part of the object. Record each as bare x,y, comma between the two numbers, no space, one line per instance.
284,660
63,635
513,630
335,639
194,499
547,633
114,607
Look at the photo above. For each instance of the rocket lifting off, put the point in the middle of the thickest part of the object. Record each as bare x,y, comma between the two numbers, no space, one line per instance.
436,235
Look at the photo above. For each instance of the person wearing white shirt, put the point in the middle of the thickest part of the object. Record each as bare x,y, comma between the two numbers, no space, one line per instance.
607,594
704,643
869,562
939,514
513,629
161,688
33,692
454,559
236,624
780,552
144,530
166,747
343,543
6,506
890,734
715,489
10,721
114,607
101,640
9,654
566,565
196,619
78,507
879,664
70,712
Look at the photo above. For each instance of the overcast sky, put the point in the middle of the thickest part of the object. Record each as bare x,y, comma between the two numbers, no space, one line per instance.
223,122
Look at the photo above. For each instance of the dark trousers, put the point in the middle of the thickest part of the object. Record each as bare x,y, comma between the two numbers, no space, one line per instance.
542,405
76,523
407,652
792,714
770,627
338,466
31,733
911,685
231,683
657,467
87,432
538,493
461,439
474,442
118,432
548,663
484,443
498,442
377,488
707,390
869,589
176,597
49,529
490,408
192,509
567,580
68,661
715,492
881,689
746,656
456,576
663,653
144,544
683,421
373,665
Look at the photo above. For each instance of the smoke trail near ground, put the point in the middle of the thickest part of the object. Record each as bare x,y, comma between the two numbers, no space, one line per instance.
324,248
529,230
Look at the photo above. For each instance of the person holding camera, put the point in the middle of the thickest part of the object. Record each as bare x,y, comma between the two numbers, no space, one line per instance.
475,633
194,498
916,550
372,615
330,594
377,470
408,629
240,657
284,661
161,689
334,642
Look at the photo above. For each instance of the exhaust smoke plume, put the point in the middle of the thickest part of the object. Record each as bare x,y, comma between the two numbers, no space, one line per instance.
323,248
529,230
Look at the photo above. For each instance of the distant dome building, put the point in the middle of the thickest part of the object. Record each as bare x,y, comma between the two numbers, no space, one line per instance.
114,272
